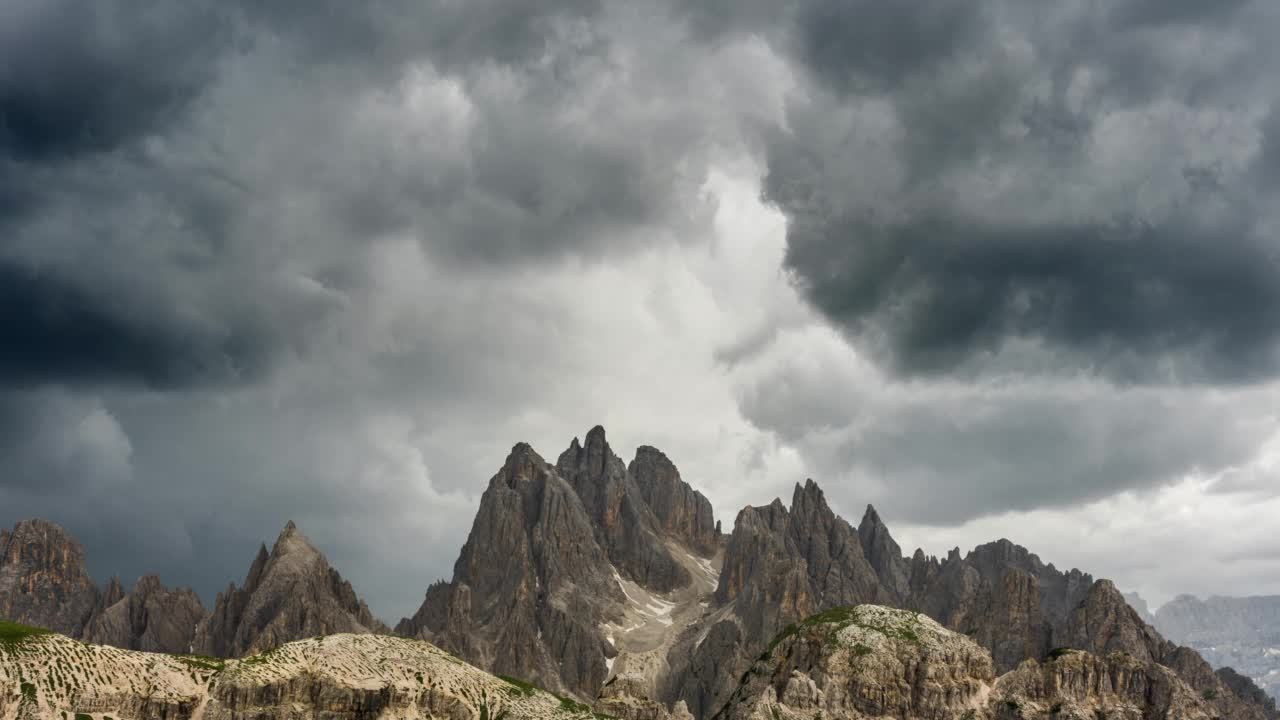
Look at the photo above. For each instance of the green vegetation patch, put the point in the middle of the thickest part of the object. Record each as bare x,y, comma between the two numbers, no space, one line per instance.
13,635
202,662
261,658
520,686
573,706
843,617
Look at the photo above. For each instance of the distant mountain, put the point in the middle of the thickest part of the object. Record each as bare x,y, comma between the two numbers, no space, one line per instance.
289,594
1238,633
1140,606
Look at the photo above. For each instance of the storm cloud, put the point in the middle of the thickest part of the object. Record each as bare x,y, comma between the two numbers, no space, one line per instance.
327,261
1093,179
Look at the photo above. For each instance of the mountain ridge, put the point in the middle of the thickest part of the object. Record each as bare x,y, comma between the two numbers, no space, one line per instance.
610,582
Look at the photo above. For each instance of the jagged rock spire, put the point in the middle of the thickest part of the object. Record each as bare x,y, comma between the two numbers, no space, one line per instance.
150,618
884,554
288,594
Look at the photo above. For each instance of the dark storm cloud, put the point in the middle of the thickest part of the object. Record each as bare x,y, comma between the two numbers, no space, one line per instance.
871,46
968,200
147,237
87,77
1113,298
55,331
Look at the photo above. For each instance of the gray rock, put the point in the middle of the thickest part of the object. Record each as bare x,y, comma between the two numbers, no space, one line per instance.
682,513
780,566
623,523
151,618
885,555
43,581
289,594
532,584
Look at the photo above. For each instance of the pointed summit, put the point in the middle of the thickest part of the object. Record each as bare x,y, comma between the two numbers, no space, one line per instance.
884,554
595,436
533,539
289,594
682,513
523,464
625,526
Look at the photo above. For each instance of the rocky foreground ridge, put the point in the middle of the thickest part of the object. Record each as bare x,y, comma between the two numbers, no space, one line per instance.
847,663
44,676
876,662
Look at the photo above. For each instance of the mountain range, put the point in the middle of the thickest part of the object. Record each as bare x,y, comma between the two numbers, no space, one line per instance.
1237,632
611,583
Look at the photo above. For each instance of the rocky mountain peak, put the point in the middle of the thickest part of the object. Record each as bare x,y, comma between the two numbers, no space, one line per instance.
682,513
623,522
293,553
150,618
43,580
290,593
523,465
885,555
114,592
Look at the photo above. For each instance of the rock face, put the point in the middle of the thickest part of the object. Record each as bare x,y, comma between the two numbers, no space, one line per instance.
1001,595
780,566
681,512
1082,686
531,570
885,555
150,618
876,662
865,661
289,593
339,677
570,576
43,580
1238,633
625,526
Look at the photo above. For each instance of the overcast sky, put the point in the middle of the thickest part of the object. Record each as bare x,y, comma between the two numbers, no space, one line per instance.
1001,268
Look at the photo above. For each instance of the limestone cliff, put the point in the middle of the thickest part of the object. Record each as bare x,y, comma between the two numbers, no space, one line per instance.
43,580
877,662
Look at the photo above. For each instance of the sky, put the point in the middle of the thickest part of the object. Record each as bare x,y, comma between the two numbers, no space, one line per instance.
1002,269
